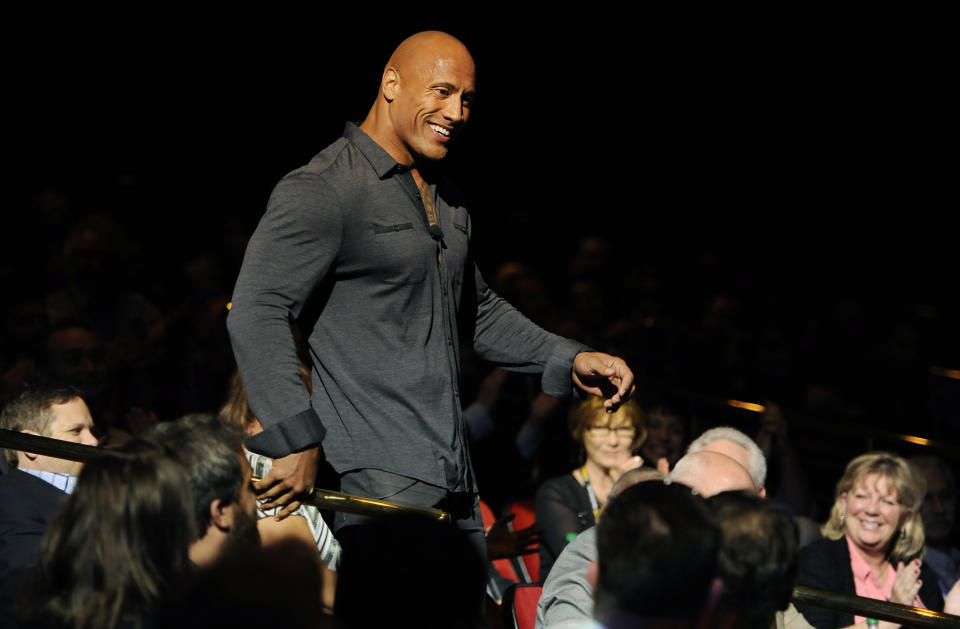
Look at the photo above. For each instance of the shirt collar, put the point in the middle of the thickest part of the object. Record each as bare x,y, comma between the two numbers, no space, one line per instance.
382,163
858,565
64,482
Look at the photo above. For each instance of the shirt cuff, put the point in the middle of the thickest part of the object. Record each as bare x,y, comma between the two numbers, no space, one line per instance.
295,433
557,373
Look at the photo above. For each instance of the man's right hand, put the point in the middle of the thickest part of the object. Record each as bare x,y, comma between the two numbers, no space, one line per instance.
289,476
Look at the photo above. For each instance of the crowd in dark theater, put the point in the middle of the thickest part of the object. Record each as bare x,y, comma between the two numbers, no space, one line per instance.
261,368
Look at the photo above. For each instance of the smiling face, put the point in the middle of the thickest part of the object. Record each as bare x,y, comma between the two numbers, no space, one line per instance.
608,440
873,514
430,86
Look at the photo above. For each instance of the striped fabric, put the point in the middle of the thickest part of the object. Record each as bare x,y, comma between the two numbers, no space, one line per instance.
63,482
327,544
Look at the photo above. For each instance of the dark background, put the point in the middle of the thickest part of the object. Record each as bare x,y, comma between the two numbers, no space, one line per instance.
798,164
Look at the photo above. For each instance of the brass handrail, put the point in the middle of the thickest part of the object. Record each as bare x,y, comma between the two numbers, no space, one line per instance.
347,503
320,498
873,608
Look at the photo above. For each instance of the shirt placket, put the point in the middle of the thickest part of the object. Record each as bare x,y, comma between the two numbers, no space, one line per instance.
447,314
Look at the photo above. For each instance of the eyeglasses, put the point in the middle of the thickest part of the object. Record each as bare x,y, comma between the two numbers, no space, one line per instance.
604,431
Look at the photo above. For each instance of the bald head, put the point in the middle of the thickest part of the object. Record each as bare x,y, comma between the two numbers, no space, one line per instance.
421,48
425,96
634,476
711,473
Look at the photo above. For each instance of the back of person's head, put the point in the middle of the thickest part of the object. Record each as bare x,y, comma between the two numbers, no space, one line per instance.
408,571
657,549
32,411
757,560
709,473
118,543
747,452
209,449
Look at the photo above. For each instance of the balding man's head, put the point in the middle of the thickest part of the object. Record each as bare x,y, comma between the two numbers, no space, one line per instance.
425,97
634,476
739,447
710,473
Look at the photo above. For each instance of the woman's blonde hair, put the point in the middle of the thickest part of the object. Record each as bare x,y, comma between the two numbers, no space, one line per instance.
910,487
589,410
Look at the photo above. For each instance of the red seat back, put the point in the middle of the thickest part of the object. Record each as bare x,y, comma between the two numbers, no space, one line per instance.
520,605
524,516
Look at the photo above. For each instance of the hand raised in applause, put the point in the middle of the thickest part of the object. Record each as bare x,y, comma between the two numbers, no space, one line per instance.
289,476
906,583
603,375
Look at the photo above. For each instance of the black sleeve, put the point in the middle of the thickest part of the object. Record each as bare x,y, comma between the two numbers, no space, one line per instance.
562,508
930,590
824,569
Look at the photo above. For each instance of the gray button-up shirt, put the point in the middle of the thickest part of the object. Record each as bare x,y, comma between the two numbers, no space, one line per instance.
345,241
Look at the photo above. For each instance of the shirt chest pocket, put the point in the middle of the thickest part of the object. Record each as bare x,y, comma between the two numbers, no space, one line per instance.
401,253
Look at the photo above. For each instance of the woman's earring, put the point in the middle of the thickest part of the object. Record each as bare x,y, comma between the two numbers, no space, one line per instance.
843,518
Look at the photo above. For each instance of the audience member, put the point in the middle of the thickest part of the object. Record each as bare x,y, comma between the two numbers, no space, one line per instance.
569,504
708,473
234,592
789,484
307,523
739,447
757,561
409,571
939,517
873,541
668,424
224,503
38,484
567,594
657,550
118,545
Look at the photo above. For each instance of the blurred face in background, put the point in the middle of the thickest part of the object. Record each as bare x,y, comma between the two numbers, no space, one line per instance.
939,506
665,438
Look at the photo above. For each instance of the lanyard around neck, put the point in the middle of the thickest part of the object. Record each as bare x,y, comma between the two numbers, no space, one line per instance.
594,504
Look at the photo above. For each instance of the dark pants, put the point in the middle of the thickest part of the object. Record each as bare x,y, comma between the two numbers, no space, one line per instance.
371,483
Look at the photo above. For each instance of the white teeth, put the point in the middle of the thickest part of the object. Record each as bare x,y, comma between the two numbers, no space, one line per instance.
440,130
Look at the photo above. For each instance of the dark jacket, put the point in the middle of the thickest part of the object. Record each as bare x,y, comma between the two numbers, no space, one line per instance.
825,564
27,504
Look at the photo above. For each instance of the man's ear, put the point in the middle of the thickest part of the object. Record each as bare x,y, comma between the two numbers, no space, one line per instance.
762,492
29,455
221,514
593,574
390,84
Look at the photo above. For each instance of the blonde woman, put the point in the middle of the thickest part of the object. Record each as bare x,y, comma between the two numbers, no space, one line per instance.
873,542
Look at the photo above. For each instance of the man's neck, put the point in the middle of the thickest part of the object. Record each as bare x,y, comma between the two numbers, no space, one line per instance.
206,550
374,127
